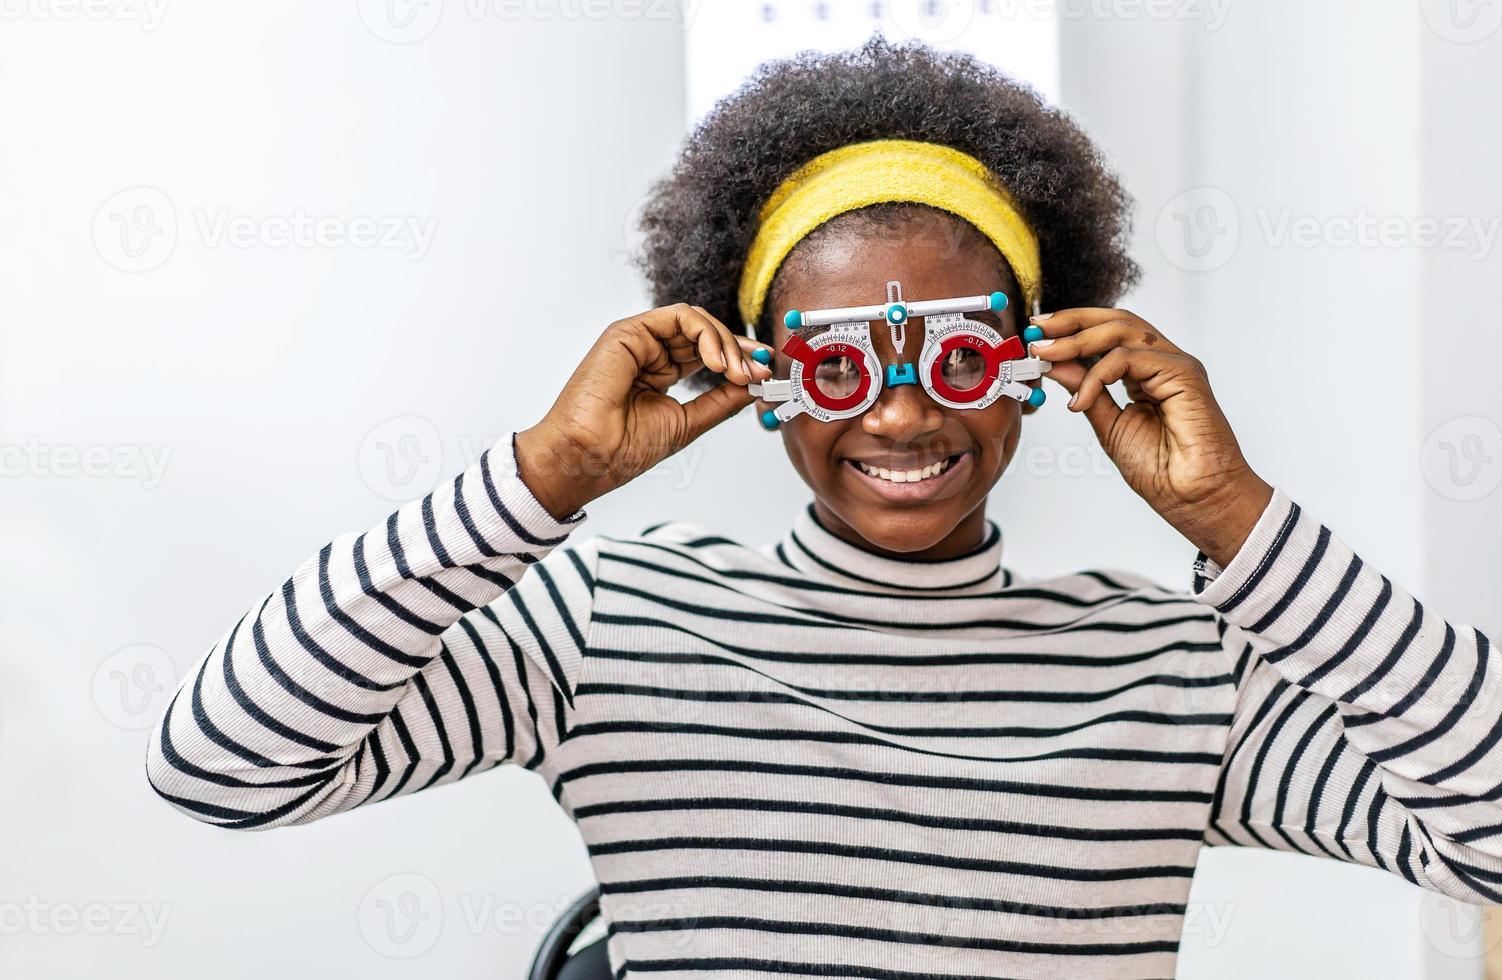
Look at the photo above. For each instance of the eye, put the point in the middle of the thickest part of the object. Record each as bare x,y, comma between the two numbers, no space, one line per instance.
837,377
963,368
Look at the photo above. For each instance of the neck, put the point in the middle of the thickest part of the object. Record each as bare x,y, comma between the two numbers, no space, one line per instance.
968,535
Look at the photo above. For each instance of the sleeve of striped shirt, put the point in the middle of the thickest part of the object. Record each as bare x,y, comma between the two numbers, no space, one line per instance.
441,642
1367,728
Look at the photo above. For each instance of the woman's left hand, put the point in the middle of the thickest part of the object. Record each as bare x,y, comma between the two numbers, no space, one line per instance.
1171,442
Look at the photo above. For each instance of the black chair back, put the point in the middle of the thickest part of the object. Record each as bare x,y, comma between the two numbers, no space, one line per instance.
553,961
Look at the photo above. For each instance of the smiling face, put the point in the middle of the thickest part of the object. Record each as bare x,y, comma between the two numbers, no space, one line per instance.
909,476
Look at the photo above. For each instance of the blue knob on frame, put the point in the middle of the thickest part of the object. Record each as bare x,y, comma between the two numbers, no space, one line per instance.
792,319
769,420
901,374
998,301
1038,397
761,356
1031,334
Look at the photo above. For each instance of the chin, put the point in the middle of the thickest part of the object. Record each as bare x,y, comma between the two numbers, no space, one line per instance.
905,530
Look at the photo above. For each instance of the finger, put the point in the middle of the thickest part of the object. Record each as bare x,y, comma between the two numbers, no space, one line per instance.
713,407
759,370
1068,375
640,355
1102,415
1066,323
710,335
1107,371
738,364
1102,337
1156,375
1061,323
669,323
1092,398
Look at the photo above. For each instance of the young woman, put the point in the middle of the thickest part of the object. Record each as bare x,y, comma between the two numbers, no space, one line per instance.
866,750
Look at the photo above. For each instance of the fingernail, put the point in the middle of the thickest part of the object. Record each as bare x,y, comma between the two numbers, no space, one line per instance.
1043,343
1073,398
1040,316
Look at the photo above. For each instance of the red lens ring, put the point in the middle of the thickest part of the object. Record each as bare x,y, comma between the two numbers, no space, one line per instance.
800,350
857,357
1009,350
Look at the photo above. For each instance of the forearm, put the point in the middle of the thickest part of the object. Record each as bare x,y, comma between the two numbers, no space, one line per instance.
1412,695
290,710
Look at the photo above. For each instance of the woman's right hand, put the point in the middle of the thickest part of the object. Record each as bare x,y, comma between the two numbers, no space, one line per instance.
615,420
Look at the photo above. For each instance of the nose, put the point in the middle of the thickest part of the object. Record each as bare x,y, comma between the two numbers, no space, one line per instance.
904,413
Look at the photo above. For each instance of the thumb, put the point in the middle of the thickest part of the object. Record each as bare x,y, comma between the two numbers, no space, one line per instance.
713,407
1102,413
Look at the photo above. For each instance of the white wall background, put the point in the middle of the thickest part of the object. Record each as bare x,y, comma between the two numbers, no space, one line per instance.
1272,129
176,439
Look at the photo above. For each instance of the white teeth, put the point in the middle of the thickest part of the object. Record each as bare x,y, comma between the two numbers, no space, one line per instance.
904,476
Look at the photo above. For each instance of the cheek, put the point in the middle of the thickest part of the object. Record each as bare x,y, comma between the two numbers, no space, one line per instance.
809,444
997,428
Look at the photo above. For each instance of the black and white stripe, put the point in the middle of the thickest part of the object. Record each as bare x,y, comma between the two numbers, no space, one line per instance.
809,759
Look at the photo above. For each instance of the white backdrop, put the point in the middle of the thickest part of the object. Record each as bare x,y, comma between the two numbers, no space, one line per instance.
268,267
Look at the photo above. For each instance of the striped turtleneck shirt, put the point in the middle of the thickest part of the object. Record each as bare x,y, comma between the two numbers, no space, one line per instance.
806,759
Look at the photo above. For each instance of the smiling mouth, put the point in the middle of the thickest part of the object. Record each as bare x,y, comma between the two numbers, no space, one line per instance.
920,474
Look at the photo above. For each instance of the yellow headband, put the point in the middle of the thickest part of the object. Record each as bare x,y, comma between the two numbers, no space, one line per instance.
880,172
